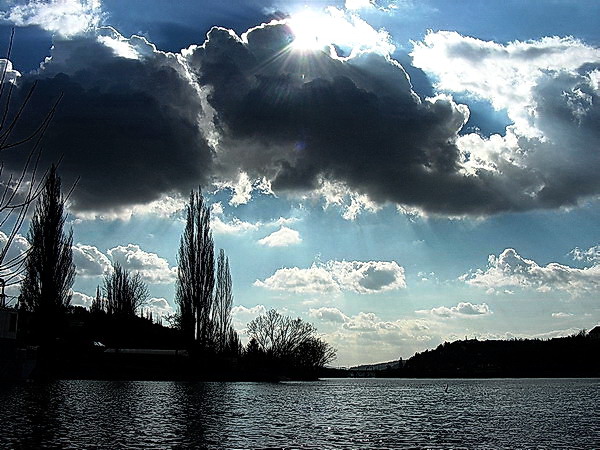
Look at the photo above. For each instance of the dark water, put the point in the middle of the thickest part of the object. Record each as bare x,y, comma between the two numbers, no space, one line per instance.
333,413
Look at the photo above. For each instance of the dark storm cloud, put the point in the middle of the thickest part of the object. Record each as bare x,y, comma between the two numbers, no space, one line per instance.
127,128
134,124
569,115
299,119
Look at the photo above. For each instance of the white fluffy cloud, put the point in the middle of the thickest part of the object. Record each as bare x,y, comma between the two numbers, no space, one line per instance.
351,203
66,17
506,75
511,269
365,337
152,268
591,255
6,68
283,237
159,307
328,315
80,299
89,261
335,276
18,246
14,256
241,316
462,310
294,279
232,226
165,207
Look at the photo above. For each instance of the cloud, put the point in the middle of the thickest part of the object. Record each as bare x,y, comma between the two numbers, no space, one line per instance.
351,203
356,121
128,127
220,224
243,187
462,310
167,206
14,257
283,237
336,276
561,315
591,255
253,112
300,281
18,247
159,307
487,69
511,269
233,226
381,340
151,267
66,17
89,261
241,315
80,299
328,315
549,88
6,68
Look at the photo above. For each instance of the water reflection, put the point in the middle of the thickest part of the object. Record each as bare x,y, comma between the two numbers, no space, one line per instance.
330,413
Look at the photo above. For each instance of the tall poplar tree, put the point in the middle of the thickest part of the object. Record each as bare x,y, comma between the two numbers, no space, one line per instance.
49,269
223,303
195,274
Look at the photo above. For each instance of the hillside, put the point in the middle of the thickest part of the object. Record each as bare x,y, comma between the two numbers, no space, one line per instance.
572,356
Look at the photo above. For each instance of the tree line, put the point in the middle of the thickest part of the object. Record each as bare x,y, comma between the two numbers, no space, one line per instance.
204,294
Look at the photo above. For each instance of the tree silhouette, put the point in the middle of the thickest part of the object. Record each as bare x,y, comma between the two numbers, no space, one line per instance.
223,303
49,268
195,274
18,189
125,293
291,340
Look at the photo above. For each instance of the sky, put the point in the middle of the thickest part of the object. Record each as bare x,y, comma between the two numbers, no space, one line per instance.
399,173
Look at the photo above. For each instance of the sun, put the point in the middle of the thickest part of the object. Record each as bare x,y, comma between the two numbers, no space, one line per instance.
318,30
308,31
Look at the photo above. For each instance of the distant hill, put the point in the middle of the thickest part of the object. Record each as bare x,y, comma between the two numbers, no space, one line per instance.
572,356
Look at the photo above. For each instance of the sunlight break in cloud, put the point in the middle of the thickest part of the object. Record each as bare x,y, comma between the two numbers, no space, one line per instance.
283,237
462,310
66,17
336,276
317,30
511,269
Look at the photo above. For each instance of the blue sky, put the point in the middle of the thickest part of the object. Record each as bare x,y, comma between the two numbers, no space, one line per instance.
398,173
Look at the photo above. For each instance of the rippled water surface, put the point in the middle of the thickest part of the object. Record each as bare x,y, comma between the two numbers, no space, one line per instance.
332,413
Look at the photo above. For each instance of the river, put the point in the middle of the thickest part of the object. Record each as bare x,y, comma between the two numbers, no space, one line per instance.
331,413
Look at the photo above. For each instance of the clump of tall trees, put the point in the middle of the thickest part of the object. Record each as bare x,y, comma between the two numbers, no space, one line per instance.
287,342
204,298
124,293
